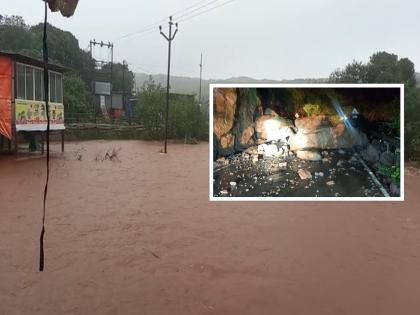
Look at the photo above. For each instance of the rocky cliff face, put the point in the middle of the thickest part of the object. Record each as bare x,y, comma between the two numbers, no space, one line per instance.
245,117
233,120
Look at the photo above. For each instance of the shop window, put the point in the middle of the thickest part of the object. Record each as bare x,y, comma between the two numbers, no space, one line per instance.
20,74
29,73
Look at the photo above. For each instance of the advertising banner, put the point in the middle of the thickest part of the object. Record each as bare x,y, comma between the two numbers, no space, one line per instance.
32,116
5,97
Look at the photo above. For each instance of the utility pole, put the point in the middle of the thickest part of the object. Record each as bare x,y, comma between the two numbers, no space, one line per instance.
124,64
201,73
100,63
112,67
169,39
123,81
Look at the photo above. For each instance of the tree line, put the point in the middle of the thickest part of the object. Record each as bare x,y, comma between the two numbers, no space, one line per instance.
384,67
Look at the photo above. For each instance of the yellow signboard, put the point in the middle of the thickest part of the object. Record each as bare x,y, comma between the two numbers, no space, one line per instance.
31,115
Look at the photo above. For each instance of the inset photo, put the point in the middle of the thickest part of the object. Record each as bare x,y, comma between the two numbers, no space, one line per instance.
307,142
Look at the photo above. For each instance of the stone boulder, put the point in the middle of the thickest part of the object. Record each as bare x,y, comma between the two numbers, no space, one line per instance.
273,128
395,189
227,141
246,137
371,154
304,174
268,149
318,132
387,158
312,124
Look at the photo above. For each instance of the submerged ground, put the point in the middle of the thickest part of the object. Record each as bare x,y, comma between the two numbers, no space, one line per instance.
139,236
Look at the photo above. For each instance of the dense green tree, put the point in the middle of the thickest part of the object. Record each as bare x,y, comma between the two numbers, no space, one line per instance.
13,20
187,120
355,72
15,35
76,97
63,48
384,67
122,77
150,108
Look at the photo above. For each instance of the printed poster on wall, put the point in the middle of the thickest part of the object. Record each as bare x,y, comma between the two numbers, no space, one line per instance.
32,116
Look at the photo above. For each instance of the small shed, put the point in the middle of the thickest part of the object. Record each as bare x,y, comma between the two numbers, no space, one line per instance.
22,100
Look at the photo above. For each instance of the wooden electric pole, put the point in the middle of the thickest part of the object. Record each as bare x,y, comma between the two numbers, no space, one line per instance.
201,74
169,38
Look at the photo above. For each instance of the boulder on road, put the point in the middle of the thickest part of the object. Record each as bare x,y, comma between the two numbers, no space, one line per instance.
387,158
273,128
309,155
371,154
318,133
304,174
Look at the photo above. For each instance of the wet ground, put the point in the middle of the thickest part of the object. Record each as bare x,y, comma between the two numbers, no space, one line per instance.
339,174
138,235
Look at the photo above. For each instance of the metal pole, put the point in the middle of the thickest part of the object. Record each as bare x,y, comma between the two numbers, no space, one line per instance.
91,43
169,39
167,86
201,72
112,65
123,84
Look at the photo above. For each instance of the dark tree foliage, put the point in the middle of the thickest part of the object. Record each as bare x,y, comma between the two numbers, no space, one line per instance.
186,118
122,78
384,67
63,47
150,103
15,35
76,97
355,72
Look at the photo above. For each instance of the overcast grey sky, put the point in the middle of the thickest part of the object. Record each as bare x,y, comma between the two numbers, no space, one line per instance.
281,39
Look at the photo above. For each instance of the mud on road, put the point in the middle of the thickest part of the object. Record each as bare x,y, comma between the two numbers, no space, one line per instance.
339,174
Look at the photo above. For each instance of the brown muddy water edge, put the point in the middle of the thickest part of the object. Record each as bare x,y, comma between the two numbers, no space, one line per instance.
138,236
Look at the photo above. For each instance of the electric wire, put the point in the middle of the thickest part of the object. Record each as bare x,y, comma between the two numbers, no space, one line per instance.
205,11
182,13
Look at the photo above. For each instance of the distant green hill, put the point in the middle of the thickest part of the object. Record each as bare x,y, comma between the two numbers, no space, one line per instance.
188,85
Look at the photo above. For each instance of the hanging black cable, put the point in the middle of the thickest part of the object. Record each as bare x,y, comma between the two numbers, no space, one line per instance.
47,109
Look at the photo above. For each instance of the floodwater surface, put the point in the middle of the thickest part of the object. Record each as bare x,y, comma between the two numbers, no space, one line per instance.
137,235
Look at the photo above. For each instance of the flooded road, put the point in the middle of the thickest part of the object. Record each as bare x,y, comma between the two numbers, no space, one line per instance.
137,235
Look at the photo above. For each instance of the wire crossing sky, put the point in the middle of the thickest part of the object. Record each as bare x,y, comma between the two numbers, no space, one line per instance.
262,39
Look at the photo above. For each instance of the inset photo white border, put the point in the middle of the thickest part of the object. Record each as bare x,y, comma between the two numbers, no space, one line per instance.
329,86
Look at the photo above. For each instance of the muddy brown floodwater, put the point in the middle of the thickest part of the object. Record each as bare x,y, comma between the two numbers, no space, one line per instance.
139,236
